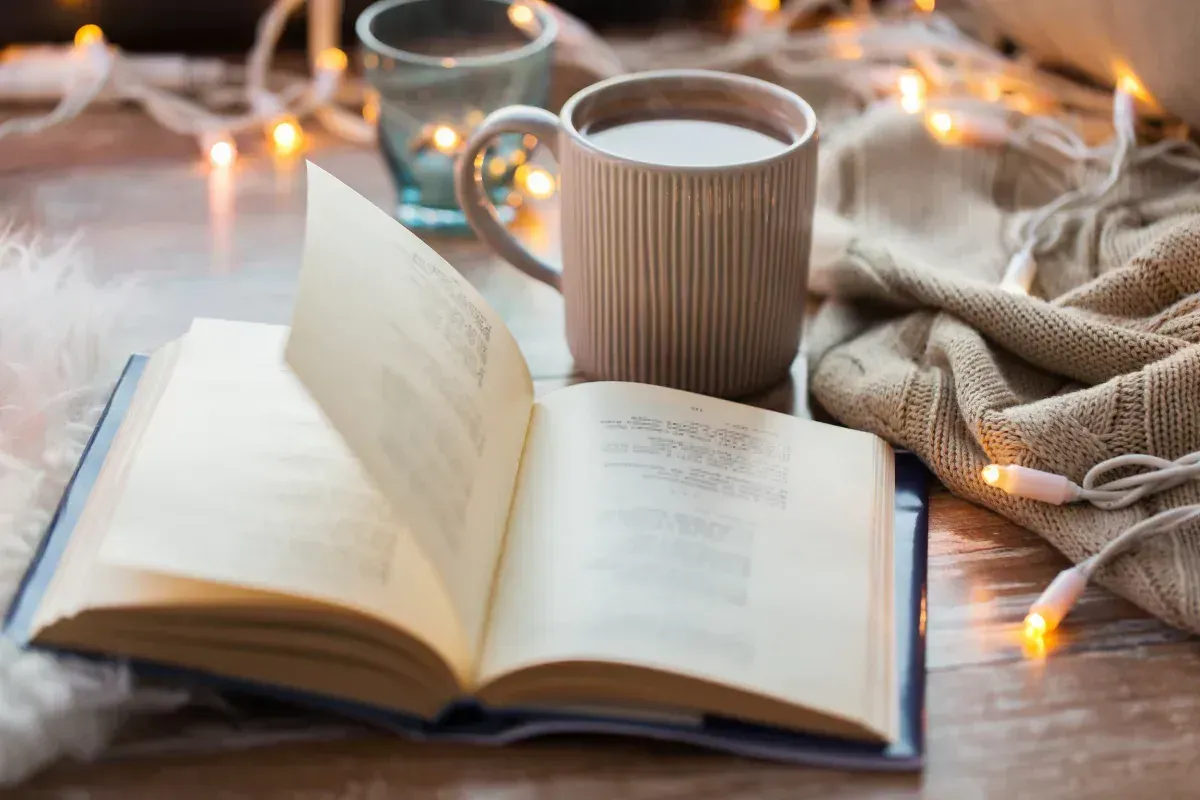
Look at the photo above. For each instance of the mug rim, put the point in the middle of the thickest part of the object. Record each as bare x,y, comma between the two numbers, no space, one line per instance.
545,38
805,138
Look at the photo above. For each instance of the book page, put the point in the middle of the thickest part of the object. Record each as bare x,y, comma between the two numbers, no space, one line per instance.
239,480
663,529
420,377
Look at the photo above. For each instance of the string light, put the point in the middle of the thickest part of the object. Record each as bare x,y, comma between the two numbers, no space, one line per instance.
88,35
958,129
1129,84
445,139
370,109
535,182
497,167
911,85
765,6
925,5
332,59
1157,475
520,15
941,124
222,152
287,137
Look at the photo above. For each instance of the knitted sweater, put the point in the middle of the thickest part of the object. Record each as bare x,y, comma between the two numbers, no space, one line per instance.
919,345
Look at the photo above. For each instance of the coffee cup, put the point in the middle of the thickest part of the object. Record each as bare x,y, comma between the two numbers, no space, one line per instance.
687,205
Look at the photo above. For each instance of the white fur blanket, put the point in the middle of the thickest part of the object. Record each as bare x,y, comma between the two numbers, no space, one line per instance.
55,374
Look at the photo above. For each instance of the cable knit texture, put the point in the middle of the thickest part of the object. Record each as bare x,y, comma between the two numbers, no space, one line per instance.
919,345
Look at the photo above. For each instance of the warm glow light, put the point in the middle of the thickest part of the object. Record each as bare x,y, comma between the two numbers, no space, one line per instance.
941,123
1129,83
518,158
515,200
287,137
537,182
88,34
445,139
520,15
332,59
497,167
911,82
912,90
370,109
529,141
766,6
925,5
222,153
991,474
1035,626
449,62
992,91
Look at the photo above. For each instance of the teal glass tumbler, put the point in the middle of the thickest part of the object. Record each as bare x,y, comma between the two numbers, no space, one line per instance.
436,68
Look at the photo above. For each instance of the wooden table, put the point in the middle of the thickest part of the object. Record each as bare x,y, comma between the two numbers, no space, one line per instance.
1110,708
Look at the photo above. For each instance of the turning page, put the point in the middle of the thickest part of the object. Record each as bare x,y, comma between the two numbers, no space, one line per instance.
239,480
420,377
699,537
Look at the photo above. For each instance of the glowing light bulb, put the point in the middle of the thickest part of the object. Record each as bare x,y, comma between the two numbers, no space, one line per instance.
991,474
912,90
222,152
941,124
1035,626
497,167
370,110
88,34
520,15
766,6
1129,83
287,137
925,5
537,183
445,139
332,59
529,141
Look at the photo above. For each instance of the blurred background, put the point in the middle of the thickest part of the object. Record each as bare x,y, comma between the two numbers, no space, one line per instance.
223,26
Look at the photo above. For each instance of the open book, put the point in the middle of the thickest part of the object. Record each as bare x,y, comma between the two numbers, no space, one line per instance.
373,509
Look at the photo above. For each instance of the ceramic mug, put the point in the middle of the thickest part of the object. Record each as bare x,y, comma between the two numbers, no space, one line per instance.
687,205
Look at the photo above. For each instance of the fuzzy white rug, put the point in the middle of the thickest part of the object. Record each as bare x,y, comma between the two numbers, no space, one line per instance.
55,375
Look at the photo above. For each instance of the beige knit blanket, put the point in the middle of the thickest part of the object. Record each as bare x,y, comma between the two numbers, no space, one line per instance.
920,346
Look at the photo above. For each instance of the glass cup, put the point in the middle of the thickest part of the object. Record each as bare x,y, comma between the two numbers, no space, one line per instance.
437,68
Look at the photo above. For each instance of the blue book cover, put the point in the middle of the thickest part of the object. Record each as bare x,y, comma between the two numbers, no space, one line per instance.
472,722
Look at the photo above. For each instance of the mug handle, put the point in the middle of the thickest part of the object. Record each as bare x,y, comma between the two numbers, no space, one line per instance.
473,200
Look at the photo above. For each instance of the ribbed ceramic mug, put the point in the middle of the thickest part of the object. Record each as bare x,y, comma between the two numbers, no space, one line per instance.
682,266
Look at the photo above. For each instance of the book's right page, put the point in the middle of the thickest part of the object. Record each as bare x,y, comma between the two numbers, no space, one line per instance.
699,538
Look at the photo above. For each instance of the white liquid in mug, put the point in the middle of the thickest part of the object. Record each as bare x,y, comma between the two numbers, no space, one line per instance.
678,142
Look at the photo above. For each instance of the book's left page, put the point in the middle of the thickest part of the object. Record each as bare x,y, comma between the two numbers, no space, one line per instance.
239,481
421,378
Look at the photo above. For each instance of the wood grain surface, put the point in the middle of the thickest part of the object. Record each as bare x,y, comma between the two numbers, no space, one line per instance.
1109,708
